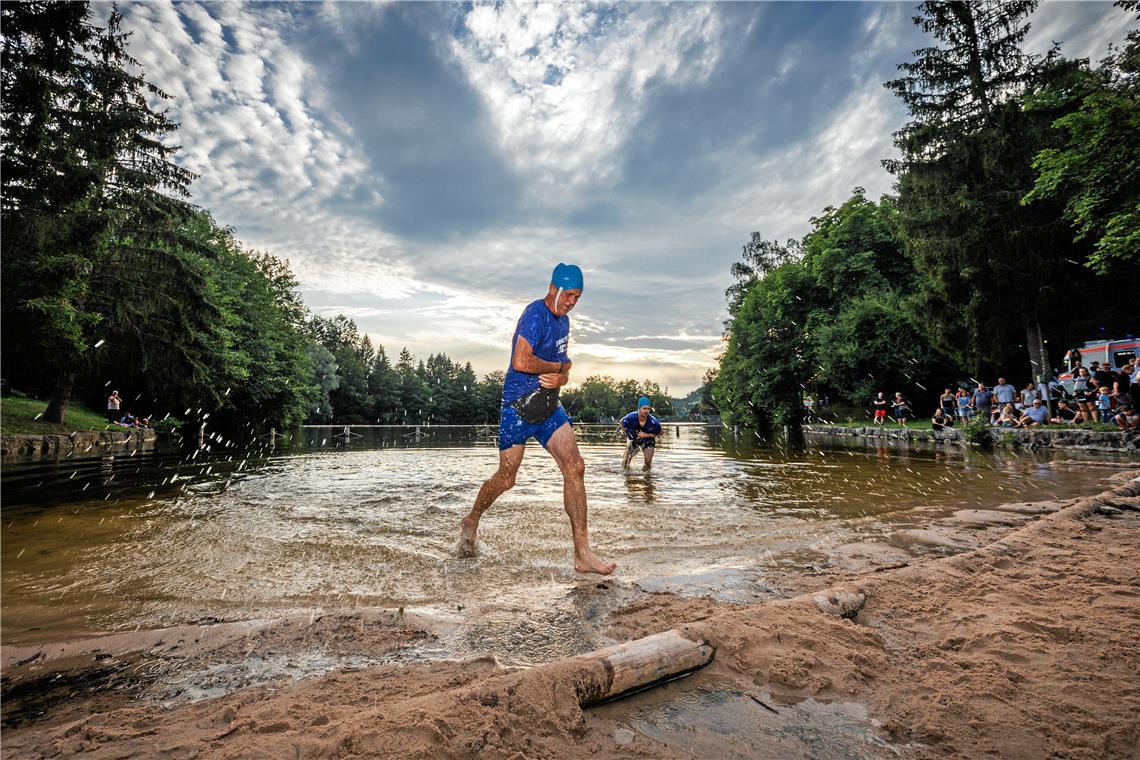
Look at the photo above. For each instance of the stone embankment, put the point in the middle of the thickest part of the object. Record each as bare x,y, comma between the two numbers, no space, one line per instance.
77,444
1127,442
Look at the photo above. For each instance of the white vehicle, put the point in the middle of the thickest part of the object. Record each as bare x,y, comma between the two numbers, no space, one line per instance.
1112,353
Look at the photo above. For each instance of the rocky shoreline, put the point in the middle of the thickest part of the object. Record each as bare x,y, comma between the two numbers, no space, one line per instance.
86,443
1126,442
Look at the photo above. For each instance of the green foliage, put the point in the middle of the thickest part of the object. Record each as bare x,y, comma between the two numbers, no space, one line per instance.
769,347
167,424
1096,168
978,433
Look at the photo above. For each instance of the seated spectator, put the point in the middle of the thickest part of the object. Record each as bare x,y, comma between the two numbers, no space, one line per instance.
1066,415
1035,415
941,419
1008,417
1127,418
127,420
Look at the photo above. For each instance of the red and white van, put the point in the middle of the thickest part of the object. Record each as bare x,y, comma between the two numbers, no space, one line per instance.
1114,353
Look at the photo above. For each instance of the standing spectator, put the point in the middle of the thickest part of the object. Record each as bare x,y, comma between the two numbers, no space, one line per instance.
982,401
1004,393
113,402
1103,374
902,409
1122,385
947,403
1104,402
963,397
1028,394
1084,388
880,405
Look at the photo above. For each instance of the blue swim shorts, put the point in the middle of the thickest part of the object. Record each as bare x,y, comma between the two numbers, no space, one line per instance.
514,431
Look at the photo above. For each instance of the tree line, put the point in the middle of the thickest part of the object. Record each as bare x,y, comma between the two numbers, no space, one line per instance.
112,279
1013,232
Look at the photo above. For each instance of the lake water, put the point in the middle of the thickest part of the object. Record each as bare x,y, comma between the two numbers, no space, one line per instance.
160,539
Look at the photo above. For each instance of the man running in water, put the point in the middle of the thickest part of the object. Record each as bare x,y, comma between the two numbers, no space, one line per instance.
539,366
642,429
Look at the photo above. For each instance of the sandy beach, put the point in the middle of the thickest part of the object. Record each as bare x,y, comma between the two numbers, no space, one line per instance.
1027,646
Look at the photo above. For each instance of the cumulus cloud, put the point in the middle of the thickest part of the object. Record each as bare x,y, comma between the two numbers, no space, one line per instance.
423,166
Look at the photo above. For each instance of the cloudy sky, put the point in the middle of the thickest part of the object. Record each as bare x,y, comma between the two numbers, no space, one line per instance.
424,166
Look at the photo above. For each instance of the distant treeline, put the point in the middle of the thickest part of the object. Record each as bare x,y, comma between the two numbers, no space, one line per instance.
1013,233
359,384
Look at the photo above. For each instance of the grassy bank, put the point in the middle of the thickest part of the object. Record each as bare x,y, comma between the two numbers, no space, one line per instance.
19,413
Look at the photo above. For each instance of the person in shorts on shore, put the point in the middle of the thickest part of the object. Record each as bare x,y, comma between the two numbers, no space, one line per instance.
1028,393
113,404
901,409
539,366
1004,393
880,403
963,398
947,402
1104,403
641,430
1084,389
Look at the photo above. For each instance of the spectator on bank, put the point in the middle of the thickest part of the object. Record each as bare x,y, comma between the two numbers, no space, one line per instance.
1035,415
1066,415
127,420
1004,393
942,419
1122,385
113,402
1104,403
1127,418
1028,394
1103,374
880,405
1008,417
963,397
982,401
1084,388
947,402
901,408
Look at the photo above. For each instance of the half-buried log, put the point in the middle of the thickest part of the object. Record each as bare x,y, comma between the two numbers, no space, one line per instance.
609,673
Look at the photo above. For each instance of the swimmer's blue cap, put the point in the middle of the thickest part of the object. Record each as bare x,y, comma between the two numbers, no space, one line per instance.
567,277
643,401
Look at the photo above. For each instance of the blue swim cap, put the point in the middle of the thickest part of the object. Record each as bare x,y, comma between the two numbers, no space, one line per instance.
643,401
567,277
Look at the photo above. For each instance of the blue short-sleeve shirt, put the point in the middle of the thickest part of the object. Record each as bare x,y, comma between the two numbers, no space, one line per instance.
631,426
548,335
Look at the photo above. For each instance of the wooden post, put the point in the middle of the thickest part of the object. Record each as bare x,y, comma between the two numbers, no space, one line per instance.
609,673
272,438
202,435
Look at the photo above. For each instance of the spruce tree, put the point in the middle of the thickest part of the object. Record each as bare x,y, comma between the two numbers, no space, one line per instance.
990,267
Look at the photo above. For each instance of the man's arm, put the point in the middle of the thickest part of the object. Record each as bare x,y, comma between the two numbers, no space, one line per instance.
524,360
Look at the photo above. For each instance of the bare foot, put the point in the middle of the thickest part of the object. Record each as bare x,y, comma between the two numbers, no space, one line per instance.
466,547
588,562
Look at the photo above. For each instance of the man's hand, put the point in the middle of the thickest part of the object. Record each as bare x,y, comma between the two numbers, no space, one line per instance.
643,434
553,379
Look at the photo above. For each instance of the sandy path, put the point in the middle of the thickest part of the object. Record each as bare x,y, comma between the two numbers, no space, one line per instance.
1027,647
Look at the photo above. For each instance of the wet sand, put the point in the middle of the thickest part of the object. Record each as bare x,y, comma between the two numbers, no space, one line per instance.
1025,644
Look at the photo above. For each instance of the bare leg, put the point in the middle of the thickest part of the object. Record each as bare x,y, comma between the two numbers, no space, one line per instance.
648,451
627,456
564,448
494,487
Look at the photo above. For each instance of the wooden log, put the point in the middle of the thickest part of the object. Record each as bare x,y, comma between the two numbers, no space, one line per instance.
609,673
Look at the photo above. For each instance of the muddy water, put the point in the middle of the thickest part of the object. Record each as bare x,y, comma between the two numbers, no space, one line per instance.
151,541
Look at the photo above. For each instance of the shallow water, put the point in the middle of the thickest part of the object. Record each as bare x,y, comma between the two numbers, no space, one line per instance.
115,543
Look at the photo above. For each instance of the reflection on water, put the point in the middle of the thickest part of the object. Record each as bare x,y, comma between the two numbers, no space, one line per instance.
155,539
